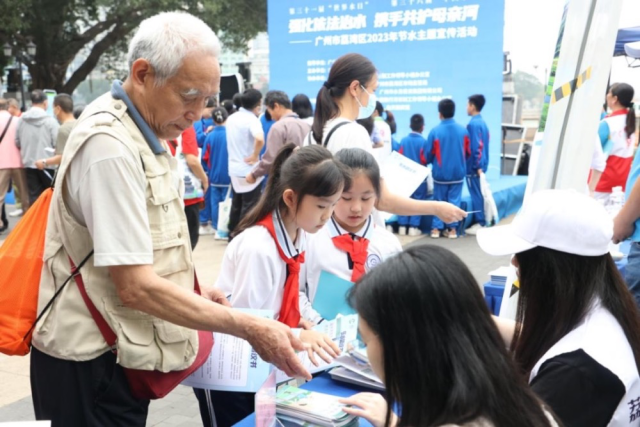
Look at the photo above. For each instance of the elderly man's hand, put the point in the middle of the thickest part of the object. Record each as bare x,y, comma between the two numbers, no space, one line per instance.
275,343
214,294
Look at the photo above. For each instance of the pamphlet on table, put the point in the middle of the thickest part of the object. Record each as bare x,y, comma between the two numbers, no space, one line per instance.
234,365
307,406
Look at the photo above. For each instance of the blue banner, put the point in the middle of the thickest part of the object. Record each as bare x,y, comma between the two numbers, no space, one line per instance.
424,50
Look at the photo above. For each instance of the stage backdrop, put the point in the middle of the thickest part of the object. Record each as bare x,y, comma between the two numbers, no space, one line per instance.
425,50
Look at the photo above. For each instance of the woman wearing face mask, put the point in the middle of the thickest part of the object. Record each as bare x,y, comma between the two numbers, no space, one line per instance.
348,95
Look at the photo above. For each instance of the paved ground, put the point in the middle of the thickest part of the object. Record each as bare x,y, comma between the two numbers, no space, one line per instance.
180,407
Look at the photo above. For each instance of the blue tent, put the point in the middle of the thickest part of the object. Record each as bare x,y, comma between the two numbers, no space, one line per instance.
628,43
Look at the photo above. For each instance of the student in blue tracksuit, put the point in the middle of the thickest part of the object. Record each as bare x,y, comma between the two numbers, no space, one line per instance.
266,121
447,149
412,147
216,158
479,160
205,124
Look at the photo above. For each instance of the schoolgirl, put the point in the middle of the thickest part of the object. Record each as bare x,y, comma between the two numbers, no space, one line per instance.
261,266
350,244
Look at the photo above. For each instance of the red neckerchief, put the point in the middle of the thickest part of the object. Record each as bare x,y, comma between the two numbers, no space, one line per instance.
290,309
622,112
357,250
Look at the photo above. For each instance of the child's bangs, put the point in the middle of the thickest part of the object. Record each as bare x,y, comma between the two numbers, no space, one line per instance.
326,179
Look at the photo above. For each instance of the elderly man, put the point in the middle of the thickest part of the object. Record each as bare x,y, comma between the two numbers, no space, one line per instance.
289,128
118,197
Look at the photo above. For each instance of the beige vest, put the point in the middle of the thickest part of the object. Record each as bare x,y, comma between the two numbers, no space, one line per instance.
68,331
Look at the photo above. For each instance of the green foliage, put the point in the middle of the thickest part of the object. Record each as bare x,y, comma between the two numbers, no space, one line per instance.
63,28
528,87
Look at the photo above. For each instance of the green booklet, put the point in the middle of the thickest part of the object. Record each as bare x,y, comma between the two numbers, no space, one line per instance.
315,408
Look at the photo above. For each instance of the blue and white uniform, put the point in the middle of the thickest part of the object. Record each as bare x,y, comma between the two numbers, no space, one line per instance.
479,159
216,162
201,127
412,146
448,147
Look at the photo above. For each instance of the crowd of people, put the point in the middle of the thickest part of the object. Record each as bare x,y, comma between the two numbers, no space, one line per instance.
31,146
143,171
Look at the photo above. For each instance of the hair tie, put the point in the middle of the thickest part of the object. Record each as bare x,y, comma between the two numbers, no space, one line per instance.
326,84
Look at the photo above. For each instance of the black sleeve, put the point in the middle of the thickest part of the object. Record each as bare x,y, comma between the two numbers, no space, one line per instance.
578,389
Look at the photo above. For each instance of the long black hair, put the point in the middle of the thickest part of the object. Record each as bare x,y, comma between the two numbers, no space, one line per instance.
625,94
308,170
444,359
344,71
557,289
301,105
360,161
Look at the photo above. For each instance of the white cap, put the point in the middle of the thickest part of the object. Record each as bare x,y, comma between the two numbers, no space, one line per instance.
563,220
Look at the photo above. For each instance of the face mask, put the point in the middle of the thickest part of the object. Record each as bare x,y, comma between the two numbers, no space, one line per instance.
366,111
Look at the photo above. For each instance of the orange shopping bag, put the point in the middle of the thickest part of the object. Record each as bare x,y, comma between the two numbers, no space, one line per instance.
20,268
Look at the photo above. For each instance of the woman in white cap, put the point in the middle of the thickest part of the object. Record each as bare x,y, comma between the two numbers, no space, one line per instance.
577,330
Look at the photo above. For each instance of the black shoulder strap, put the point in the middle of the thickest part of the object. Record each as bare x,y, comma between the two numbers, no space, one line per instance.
5,129
335,128
53,298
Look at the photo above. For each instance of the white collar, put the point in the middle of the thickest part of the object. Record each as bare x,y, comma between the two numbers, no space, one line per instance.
366,231
289,248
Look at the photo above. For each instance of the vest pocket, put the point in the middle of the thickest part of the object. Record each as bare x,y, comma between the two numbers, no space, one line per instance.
134,332
175,345
146,342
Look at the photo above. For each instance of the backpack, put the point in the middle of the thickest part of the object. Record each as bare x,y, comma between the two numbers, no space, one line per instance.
20,268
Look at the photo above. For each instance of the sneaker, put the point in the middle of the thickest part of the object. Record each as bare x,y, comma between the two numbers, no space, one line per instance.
402,231
15,213
452,234
474,229
435,233
415,231
206,230
390,228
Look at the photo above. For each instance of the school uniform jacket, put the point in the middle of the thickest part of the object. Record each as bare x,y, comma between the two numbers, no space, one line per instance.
201,127
479,145
589,377
448,147
412,146
216,157
323,255
620,150
252,271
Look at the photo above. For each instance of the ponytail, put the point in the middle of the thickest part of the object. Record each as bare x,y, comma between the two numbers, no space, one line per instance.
630,128
346,69
625,93
326,109
308,170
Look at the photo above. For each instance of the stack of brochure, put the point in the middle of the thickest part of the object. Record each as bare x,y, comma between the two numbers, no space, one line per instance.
302,407
354,368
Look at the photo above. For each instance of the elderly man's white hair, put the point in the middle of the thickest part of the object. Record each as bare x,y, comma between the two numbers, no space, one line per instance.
167,38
